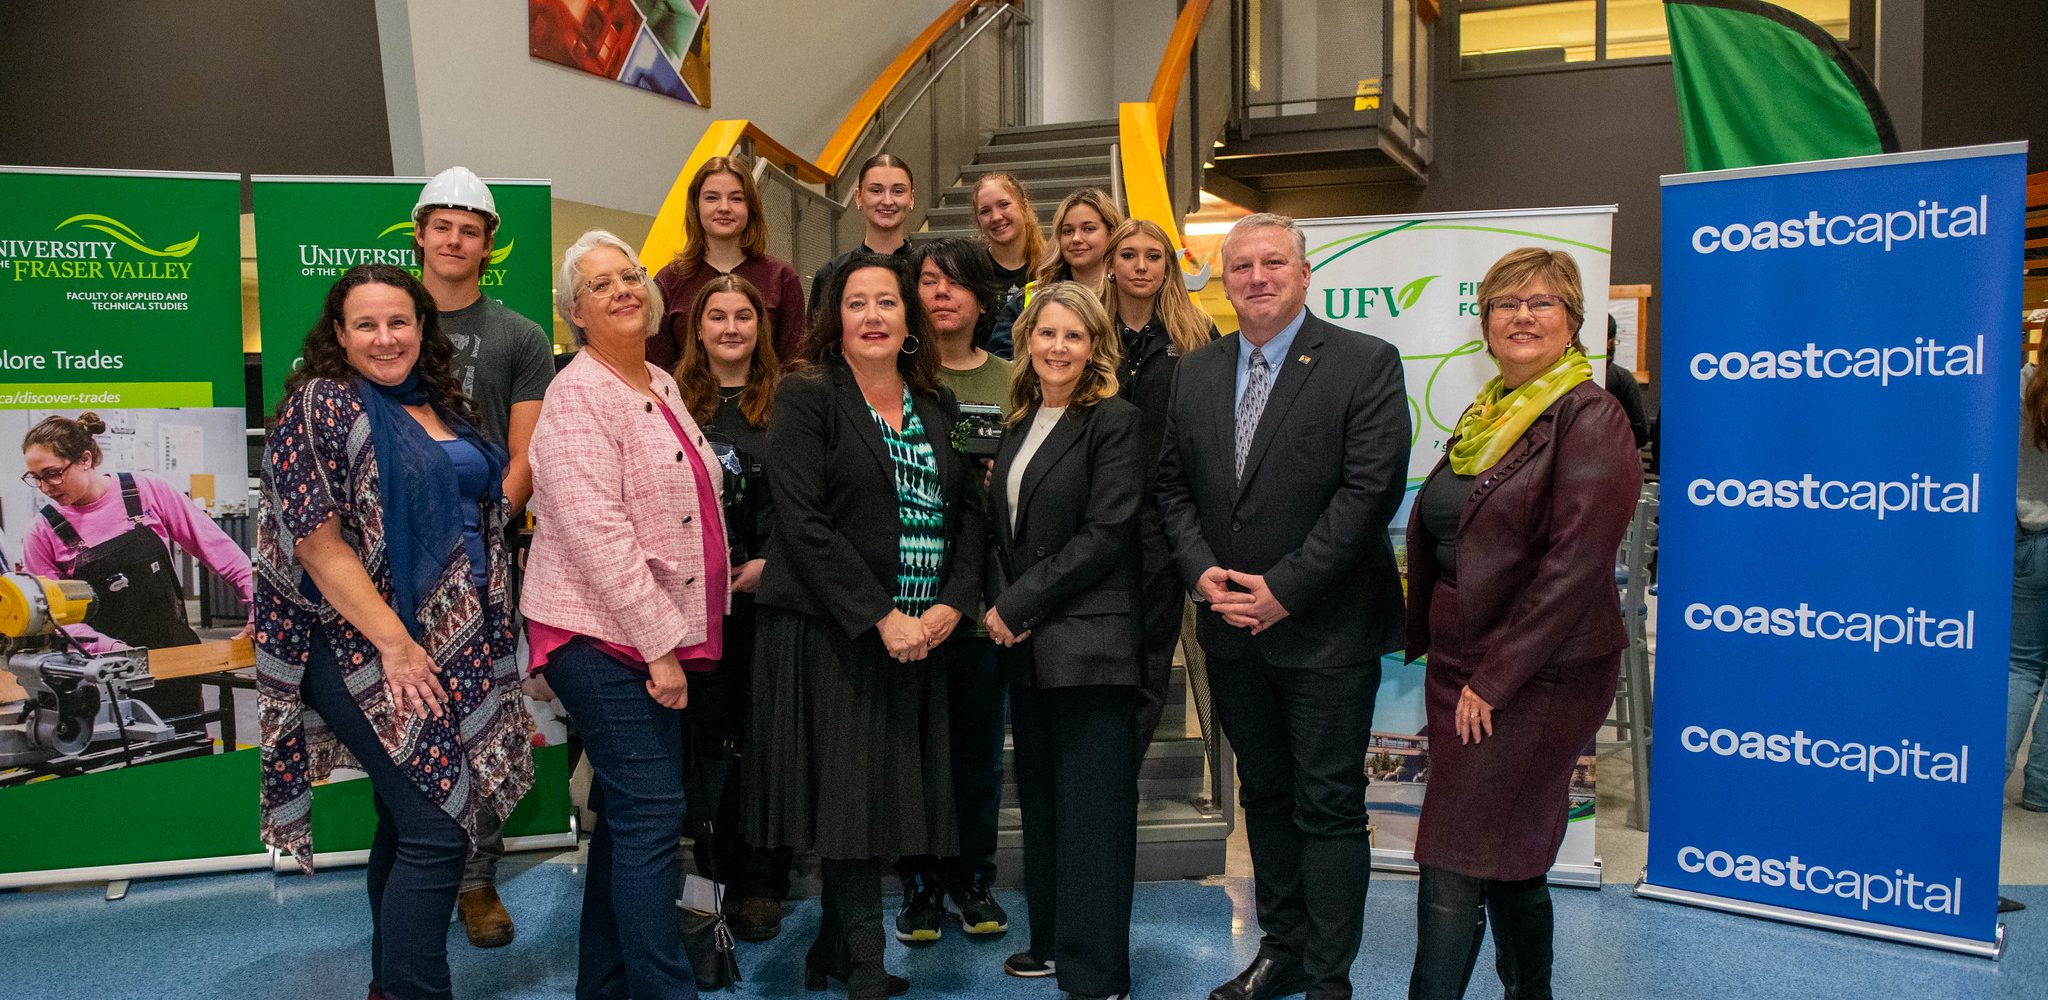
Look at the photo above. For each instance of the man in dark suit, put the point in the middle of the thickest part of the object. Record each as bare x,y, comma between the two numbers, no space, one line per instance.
1285,457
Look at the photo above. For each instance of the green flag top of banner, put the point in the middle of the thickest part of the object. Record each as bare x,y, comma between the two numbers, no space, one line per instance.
1758,84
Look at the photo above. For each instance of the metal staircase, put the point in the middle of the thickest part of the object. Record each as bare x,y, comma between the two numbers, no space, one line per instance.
1052,161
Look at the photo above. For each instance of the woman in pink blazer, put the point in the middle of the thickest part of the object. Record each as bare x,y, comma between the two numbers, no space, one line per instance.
625,597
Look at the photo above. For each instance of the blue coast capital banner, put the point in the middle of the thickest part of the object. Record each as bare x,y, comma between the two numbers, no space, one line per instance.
1842,377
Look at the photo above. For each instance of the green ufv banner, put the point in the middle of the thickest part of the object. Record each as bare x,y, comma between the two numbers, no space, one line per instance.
310,230
119,289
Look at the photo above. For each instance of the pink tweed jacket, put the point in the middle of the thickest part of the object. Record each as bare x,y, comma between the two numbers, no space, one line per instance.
617,553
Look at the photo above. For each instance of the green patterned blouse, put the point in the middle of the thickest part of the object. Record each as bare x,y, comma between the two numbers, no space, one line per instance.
921,547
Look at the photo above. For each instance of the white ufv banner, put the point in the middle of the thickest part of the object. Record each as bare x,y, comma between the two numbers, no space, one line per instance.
1413,280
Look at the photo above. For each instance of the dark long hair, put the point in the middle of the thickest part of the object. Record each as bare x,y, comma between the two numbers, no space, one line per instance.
965,262
693,373
322,357
821,346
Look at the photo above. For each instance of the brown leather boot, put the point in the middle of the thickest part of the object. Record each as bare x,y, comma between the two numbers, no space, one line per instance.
484,918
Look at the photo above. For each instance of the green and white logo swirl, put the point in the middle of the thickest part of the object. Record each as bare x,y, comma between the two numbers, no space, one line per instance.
120,231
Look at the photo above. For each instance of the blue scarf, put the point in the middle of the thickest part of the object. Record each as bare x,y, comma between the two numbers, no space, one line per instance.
416,491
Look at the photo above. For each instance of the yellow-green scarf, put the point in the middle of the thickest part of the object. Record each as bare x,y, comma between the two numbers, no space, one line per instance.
1496,420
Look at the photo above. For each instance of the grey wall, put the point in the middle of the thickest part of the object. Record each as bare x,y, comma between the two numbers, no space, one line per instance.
1986,77
1590,137
245,87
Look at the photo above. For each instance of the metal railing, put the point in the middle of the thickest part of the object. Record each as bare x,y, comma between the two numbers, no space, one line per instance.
966,86
936,103
1355,64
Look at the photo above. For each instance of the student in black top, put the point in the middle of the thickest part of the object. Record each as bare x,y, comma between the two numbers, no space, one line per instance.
885,196
727,376
1158,324
1009,226
1622,383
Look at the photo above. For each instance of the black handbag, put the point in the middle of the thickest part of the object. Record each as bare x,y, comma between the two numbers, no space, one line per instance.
708,942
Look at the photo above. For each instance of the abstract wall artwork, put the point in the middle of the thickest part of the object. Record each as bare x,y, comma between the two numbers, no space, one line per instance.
658,45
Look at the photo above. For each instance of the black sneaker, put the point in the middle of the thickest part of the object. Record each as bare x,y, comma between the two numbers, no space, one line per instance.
923,908
1025,965
979,912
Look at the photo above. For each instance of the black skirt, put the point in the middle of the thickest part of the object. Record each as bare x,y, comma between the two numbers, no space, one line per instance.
848,752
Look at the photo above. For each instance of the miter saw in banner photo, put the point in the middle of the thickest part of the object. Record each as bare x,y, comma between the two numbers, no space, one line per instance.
76,700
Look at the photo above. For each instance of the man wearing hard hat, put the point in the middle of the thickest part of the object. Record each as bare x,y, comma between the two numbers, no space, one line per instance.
504,362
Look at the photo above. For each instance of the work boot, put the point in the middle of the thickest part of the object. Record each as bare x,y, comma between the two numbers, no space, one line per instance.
755,918
484,918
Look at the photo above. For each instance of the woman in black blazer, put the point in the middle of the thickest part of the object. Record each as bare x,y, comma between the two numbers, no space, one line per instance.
1063,591
875,553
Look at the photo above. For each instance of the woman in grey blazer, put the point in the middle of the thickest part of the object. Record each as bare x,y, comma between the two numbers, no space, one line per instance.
1063,606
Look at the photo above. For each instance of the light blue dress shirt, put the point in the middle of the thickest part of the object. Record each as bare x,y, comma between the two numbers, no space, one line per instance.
1276,353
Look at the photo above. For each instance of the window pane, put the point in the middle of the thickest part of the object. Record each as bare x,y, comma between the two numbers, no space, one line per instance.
1525,37
1636,27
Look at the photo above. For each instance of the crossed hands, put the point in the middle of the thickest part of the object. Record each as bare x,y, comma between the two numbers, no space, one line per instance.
909,639
1251,606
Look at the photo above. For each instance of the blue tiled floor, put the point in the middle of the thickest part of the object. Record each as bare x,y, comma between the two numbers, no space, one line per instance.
264,936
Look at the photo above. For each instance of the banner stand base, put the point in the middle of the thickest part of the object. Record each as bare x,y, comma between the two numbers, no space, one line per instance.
140,869
281,861
1992,949
1569,876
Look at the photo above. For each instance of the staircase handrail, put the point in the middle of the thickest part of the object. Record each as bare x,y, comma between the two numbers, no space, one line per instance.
865,110
725,136
1173,66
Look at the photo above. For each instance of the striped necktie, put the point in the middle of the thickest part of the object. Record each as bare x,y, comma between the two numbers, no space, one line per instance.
1256,386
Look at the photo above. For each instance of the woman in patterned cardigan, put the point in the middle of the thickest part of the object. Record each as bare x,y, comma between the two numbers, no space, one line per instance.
383,636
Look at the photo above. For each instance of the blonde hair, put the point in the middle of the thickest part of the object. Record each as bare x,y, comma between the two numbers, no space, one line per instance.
1054,266
1105,353
1517,268
1034,236
1185,324
753,235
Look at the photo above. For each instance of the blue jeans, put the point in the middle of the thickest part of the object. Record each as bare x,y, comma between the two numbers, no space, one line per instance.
2029,665
630,942
416,856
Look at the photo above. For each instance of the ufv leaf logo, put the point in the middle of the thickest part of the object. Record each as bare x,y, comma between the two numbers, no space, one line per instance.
498,254
1413,290
1361,302
120,231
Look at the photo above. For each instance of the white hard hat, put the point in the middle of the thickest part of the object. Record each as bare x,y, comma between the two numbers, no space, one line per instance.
458,187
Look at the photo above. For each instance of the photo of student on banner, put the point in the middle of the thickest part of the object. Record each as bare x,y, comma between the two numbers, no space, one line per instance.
117,532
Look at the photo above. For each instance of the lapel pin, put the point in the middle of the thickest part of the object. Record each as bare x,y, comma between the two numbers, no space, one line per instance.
1303,359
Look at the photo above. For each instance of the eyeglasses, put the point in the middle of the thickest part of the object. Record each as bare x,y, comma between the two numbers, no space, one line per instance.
1539,305
604,285
47,477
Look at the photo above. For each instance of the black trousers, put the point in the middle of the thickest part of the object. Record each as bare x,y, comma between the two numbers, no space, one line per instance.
1076,758
1451,912
716,723
975,701
1300,735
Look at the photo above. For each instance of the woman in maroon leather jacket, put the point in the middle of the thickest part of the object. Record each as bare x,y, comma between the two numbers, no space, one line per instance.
1511,593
